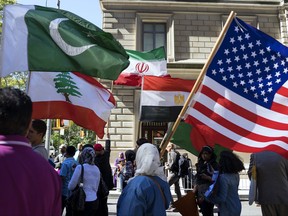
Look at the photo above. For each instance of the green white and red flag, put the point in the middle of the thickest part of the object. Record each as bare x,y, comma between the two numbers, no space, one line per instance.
71,96
150,63
36,38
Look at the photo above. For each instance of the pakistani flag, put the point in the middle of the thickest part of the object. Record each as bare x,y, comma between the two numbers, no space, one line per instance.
151,63
47,39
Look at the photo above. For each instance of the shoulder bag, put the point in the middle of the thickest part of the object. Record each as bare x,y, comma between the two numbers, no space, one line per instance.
77,200
103,190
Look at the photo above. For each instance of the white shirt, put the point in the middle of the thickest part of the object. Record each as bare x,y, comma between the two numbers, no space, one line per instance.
91,180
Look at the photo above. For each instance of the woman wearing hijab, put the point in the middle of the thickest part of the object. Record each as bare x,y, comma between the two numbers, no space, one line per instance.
91,179
205,167
148,193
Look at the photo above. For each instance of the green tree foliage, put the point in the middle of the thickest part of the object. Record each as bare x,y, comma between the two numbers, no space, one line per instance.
2,4
17,80
72,136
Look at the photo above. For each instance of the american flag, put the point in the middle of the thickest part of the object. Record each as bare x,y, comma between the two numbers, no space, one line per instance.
242,103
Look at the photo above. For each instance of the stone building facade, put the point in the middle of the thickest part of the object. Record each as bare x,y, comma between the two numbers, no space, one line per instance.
191,30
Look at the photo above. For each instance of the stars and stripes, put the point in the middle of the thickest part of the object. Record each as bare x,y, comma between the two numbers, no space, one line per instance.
243,101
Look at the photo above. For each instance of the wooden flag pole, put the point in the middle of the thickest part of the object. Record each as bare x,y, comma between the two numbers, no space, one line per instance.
170,132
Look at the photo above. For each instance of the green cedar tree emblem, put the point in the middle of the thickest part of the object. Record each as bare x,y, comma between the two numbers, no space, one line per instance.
66,86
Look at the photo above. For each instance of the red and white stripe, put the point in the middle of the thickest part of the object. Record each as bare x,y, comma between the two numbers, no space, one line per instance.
237,123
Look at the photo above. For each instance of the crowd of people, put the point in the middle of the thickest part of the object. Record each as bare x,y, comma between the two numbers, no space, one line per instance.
44,186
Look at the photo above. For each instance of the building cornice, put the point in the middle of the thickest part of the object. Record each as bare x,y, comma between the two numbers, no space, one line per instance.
175,6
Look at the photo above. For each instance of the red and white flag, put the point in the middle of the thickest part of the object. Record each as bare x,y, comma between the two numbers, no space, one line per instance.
242,103
71,96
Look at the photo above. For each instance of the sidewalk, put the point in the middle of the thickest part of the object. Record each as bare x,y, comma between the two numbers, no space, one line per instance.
247,210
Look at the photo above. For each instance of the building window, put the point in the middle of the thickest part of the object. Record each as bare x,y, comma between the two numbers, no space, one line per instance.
154,30
154,36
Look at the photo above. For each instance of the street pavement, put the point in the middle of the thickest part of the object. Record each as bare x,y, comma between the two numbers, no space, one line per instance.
247,210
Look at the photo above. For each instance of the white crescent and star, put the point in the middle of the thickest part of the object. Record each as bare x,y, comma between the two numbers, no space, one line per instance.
65,47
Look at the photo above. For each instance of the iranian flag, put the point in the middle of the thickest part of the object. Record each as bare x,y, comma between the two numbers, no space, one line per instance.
71,96
151,63
47,39
162,98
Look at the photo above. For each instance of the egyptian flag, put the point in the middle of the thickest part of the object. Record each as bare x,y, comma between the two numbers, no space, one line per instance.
162,98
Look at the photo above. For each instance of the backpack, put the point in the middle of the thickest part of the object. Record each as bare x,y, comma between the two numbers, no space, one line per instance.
175,166
184,168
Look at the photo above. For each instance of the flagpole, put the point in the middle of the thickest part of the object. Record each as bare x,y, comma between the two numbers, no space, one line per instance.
108,121
172,128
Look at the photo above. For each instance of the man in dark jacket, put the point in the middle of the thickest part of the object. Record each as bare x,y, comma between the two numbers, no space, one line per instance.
102,160
272,182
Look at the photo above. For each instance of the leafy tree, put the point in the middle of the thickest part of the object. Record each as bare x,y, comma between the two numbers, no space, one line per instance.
16,79
72,136
2,4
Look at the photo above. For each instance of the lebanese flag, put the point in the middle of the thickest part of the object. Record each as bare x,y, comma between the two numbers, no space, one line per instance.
151,63
72,96
162,98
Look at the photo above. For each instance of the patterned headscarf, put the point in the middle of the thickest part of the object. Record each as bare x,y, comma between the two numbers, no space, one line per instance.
88,155
148,161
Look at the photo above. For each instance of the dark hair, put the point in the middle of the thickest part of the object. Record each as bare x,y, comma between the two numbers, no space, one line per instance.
40,126
15,111
207,149
141,141
70,150
86,146
130,155
230,163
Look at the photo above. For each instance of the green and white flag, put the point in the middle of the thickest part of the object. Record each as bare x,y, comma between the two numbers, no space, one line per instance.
38,38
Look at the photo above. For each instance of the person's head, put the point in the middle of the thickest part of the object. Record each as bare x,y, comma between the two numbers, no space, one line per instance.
98,148
62,148
121,155
122,161
130,155
170,146
185,155
148,161
230,162
37,131
207,154
15,112
70,151
88,155
141,141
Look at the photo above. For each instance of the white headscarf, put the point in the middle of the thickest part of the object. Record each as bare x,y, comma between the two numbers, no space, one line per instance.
148,161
